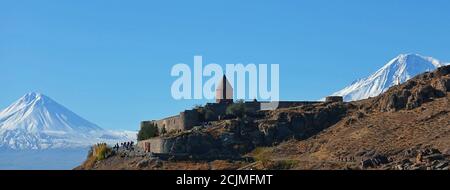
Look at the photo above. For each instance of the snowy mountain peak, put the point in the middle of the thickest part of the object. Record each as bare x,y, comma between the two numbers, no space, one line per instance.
35,121
35,113
31,99
396,71
414,60
33,95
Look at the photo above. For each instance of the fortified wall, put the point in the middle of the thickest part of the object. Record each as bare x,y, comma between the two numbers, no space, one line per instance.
184,121
188,119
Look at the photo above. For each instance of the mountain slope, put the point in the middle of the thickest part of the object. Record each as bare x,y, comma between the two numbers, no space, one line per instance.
396,71
35,121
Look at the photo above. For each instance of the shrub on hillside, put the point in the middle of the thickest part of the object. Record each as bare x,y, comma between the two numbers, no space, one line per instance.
148,130
96,153
237,109
101,151
206,114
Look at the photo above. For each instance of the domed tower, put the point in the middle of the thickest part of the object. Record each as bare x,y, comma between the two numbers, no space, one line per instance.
224,91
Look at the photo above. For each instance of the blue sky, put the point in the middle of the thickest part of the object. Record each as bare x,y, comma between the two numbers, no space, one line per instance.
110,61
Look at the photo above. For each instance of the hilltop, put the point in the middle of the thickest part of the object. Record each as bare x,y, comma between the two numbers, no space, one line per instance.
406,127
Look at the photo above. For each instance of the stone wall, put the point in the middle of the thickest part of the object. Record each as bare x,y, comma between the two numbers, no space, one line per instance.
184,121
288,104
156,145
189,119
170,123
256,106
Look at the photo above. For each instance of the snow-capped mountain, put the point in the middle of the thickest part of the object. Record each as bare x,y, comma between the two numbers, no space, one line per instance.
396,71
36,121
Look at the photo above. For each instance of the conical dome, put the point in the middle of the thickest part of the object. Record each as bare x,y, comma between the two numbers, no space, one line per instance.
224,91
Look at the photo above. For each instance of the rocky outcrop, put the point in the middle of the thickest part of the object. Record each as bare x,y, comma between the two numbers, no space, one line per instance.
410,159
231,138
415,92
198,144
374,161
443,84
423,159
300,123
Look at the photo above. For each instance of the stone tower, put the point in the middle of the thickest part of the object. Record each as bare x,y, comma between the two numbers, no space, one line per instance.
224,91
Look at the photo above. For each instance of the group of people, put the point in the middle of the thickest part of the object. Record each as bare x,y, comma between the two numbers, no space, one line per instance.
125,145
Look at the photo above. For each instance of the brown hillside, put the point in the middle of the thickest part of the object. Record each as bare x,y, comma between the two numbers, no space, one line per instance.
406,122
